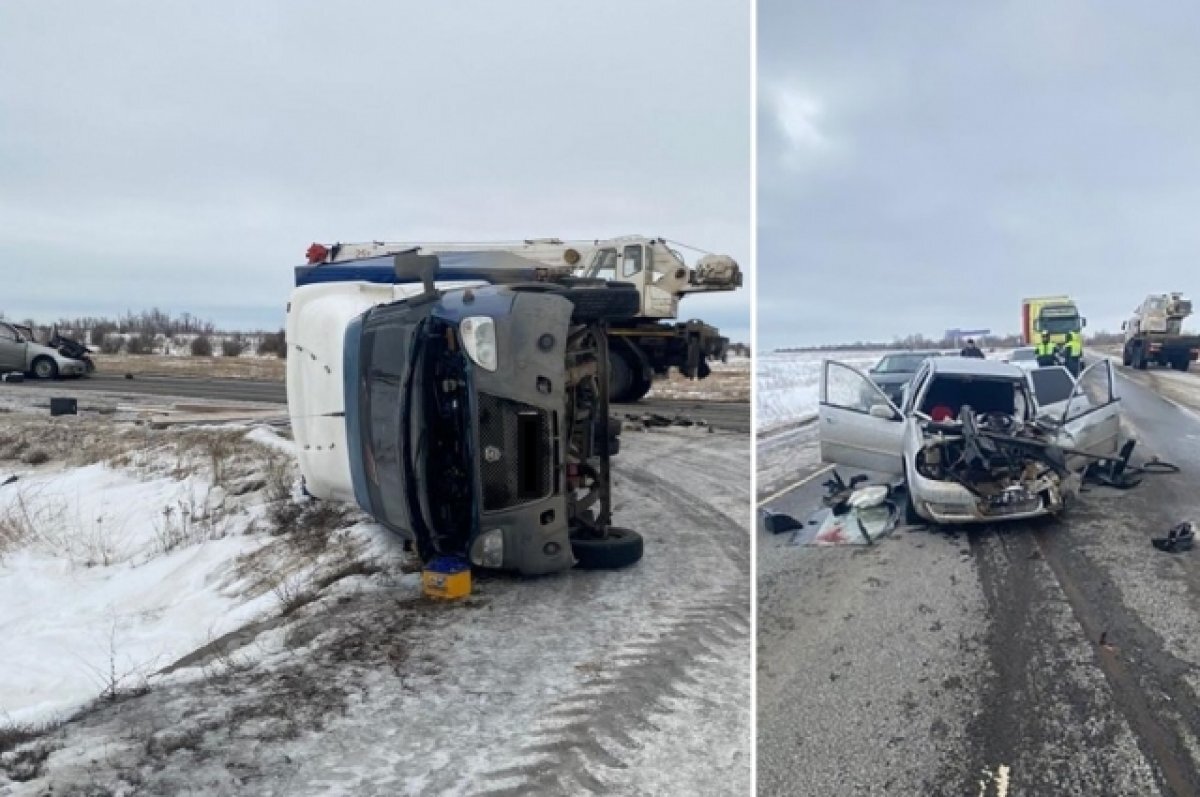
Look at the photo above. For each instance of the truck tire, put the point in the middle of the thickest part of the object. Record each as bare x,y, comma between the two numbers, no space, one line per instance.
641,386
1181,362
612,301
622,375
617,548
1126,357
1139,359
45,368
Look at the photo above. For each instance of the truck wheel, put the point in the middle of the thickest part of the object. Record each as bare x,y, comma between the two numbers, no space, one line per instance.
613,301
621,376
617,548
45,368
641,387
1139,359
1126,358
1181,363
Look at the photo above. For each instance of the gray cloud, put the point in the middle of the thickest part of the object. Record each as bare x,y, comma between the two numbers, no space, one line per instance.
185,155
924,167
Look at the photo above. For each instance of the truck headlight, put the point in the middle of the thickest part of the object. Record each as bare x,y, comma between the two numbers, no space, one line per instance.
488,549
479,339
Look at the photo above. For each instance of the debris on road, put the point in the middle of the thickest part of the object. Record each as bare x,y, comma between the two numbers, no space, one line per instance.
1179,538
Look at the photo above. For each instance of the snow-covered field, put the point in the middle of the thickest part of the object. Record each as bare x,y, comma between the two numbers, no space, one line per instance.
196,626
787,383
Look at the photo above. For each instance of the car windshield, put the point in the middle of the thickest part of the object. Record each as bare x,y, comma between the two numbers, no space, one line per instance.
900,363
1023,354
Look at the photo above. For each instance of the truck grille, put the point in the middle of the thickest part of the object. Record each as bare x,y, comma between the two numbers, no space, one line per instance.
515,461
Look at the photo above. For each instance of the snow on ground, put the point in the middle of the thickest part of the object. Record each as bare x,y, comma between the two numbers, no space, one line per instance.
787,383
110,578
346,680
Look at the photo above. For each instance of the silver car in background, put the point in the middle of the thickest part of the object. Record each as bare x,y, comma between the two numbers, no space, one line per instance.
19,352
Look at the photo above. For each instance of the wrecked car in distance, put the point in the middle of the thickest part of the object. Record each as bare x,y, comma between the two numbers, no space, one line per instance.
973,440
473,420
20,352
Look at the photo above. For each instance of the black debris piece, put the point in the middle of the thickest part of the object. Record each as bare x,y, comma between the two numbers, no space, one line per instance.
1178,539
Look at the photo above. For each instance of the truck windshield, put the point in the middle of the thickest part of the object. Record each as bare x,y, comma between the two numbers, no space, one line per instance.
1059,325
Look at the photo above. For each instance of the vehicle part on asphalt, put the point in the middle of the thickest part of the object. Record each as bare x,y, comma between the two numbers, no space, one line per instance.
64,406
778,522
615,548
1118,473
862,524
838,492
13,376
1179,538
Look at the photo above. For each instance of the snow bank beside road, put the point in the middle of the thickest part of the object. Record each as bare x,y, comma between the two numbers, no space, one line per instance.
106,578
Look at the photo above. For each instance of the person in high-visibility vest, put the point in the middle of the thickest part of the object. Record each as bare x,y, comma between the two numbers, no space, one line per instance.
1074,349
1044,351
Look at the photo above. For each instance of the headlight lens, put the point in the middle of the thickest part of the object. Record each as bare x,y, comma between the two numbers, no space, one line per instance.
488,549
479,339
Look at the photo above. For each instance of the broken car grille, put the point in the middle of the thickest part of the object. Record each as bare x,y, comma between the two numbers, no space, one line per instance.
515,461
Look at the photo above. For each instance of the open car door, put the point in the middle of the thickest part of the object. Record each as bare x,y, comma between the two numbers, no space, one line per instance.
858,425
1091,420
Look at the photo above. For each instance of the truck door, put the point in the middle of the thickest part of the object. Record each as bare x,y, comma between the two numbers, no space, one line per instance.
634,267
859,426
12,350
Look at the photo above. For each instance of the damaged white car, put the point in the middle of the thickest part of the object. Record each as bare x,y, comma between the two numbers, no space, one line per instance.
975,440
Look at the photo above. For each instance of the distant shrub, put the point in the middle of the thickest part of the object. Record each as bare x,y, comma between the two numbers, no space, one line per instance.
141,343
234,346
201,346
101,331
110,344
274,343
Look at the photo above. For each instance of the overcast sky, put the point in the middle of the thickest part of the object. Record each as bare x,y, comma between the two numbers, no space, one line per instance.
185,154
923,166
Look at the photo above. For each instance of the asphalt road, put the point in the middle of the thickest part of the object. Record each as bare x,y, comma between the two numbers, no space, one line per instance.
728,415
1059,657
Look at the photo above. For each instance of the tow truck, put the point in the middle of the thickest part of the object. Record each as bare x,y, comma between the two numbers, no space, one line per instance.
640,346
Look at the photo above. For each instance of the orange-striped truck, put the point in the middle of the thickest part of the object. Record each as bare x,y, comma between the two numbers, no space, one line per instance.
1055,317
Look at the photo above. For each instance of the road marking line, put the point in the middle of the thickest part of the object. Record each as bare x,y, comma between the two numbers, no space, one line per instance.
798,484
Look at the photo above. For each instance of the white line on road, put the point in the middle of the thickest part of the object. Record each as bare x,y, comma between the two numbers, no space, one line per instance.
791,487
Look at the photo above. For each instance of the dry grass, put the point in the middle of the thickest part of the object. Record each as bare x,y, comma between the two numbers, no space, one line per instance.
245,367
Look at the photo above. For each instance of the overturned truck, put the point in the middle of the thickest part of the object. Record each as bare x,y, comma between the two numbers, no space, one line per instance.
472,421
974,440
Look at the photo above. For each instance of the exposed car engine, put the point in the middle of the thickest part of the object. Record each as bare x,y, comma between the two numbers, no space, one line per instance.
1010,465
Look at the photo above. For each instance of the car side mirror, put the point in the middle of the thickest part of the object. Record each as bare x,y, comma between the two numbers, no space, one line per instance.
882,411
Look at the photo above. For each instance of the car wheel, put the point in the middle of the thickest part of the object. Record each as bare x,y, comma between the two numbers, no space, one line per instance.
45,368
617,548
